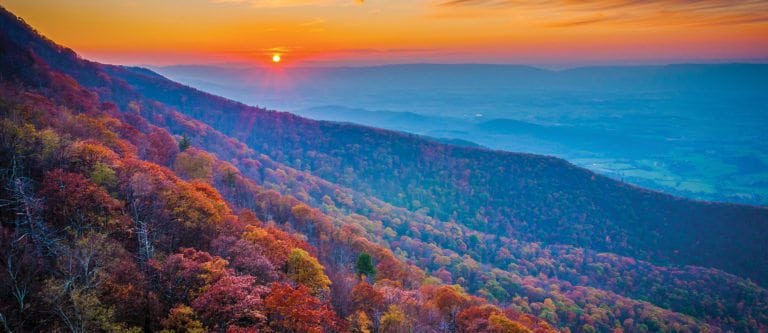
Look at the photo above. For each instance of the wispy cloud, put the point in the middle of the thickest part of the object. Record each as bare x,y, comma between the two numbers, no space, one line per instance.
313,22
569,13
385,50
578,21
293,3
280,49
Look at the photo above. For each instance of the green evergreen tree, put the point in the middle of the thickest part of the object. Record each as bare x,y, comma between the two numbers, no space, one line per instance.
364,265
184,143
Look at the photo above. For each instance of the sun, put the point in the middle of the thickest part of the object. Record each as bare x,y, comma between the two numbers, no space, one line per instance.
276,58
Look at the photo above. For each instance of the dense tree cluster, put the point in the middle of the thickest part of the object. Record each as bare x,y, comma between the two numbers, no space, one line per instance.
109,241
102,231
121,213
551,200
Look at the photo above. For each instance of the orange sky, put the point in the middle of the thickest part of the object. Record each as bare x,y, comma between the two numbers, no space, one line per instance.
161,32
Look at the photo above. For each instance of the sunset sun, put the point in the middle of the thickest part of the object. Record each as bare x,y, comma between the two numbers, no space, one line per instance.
276,58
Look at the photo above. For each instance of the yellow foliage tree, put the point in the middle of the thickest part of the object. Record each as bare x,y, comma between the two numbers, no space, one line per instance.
194,164
359,322
182,318
305,269
501,324
395,321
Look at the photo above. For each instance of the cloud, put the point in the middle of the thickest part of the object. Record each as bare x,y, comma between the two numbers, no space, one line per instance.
280,49
578,21
385,50
569,13
293,3
313,22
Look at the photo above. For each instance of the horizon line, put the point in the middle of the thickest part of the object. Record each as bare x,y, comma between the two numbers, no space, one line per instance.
550,67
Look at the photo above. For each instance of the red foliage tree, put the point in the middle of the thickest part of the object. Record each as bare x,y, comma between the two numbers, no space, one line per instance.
76,203
296,310
245,258
183,276
276,244
232,300
366,298
475,318
449,300
161,147
390,268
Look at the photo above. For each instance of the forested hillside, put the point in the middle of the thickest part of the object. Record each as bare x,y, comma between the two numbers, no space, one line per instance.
531,197
130,202
110,224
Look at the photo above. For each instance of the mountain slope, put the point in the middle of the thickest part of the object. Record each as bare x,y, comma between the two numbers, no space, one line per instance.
679,129
108,224
530,197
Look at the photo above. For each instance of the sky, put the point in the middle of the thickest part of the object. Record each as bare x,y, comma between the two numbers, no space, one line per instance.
370,32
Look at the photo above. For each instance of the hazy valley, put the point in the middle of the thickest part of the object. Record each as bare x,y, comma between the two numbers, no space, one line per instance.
691,130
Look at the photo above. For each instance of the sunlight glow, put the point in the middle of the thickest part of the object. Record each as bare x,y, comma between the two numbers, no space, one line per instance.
276,58
340,32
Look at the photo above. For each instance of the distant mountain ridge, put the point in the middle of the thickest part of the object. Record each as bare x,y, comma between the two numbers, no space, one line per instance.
695,76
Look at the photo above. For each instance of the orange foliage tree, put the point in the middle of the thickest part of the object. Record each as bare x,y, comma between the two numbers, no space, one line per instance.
296,310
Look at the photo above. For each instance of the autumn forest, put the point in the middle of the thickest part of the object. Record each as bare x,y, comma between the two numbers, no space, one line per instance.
132,203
